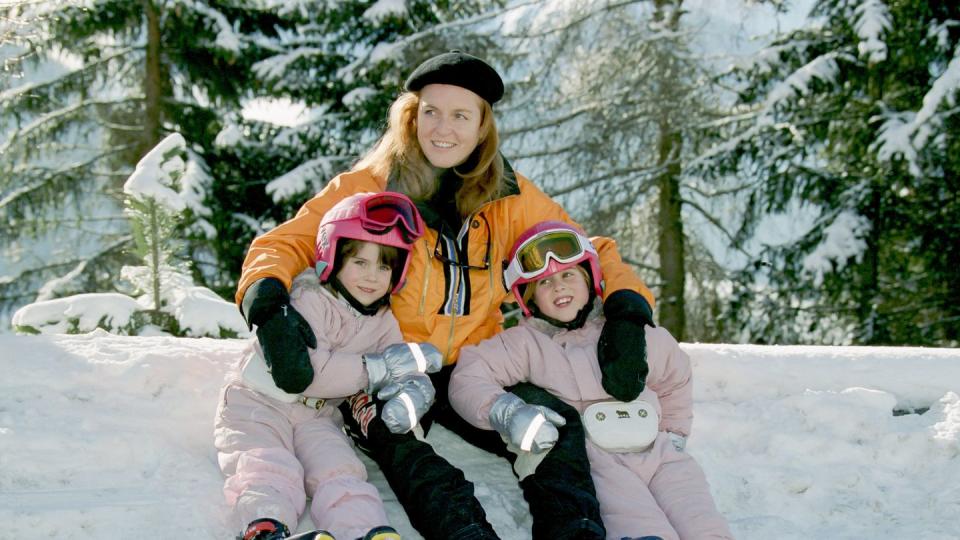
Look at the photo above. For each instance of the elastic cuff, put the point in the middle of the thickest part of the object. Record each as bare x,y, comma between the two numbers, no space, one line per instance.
376,372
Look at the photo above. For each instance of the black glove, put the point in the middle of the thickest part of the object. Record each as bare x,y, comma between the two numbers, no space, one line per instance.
622,349
283,334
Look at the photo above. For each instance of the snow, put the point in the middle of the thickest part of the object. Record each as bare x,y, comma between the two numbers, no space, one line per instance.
872,20
902,133
798,83
197,310
87,310
301,178
843,239
105,436
382,9
153,175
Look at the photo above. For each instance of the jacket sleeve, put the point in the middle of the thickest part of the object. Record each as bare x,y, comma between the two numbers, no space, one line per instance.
617,274
671,378
289,248
336,373
480,375
392,334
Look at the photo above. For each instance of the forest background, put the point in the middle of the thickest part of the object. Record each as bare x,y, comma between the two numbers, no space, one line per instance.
777,171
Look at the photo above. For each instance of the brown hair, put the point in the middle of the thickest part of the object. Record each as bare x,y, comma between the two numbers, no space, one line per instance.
389,255
398,156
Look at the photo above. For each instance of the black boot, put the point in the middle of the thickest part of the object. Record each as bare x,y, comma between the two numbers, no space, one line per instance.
381,533
265,529
313,535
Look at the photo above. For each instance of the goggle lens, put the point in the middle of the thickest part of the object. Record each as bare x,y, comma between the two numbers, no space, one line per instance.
381,213
533,255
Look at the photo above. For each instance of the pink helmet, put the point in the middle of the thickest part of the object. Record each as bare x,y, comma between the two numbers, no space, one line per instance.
544,249
386,218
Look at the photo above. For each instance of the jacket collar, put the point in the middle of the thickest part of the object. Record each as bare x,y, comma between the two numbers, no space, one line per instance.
432,210
594,317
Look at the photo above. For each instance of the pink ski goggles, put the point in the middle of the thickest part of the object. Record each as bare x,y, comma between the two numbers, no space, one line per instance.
380,212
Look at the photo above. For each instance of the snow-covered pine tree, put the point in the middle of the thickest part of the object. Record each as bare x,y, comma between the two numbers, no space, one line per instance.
607,117
852,121
88,87
162,297
155,206
339,64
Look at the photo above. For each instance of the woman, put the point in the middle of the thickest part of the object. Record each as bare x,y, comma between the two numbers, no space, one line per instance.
441,149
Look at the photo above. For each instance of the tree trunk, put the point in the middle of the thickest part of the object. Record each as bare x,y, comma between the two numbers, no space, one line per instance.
152,84
873,331
670,247
671,243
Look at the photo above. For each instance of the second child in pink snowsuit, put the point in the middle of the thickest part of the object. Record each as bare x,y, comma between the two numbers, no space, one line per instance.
277,448
647,485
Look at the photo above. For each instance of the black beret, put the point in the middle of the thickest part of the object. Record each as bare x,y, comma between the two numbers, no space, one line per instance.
459,69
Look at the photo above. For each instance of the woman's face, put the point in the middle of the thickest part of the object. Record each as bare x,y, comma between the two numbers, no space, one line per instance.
448,124
364,275
562,294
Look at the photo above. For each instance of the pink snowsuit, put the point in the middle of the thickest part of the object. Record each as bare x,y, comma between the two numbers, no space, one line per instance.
276,448
660,491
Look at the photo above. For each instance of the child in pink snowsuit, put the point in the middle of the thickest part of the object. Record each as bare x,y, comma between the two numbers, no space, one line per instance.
275,447
647,485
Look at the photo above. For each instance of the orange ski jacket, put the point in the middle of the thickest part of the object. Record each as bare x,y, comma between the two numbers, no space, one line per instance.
448,305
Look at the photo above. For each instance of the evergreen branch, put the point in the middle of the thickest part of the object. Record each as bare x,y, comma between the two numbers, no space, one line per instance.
639,264
554,122
409,39
720,193
546,152
573,22
19,193
53,116
649,171
716,223
27,90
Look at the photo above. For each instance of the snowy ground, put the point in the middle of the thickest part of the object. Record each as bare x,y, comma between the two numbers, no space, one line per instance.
110,437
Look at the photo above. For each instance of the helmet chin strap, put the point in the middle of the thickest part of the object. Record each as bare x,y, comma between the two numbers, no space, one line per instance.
372,309
576,322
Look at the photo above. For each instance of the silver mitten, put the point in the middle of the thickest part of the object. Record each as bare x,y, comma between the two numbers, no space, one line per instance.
531,428
408,400
398,360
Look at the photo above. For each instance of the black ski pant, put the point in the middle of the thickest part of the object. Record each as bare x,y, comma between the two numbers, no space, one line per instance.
440,502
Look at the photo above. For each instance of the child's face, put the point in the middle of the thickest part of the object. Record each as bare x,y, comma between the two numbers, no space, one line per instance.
562,295
364,275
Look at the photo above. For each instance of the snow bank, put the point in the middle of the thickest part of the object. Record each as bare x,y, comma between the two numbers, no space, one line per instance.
105,436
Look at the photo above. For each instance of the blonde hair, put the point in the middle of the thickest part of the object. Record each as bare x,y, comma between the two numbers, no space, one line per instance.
398,156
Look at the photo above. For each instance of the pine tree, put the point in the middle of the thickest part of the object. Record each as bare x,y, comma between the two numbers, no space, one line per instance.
853,120
131,72
609,120
341,64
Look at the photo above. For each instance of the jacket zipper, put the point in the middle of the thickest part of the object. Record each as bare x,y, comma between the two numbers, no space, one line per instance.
453,318
426,276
